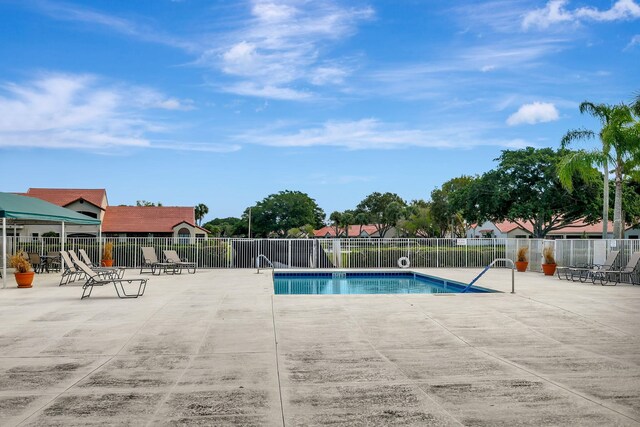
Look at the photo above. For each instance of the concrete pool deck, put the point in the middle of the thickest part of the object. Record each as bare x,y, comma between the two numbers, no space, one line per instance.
218,348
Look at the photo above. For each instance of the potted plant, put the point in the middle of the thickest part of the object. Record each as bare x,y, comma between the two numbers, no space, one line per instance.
549,264
24,274
107,255
522,261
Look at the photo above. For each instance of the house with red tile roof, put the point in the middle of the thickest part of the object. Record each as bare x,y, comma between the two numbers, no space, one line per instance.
120,221
504,229
156,221
577,230
368,230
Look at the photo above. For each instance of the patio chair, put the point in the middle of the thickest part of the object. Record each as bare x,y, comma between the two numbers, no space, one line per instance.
565,272
116,272
70,272
150,261
85,258
36,261
172,256
604,277
584,274
53,261
101,278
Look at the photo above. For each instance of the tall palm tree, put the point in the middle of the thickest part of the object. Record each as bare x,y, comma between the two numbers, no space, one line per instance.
617,150
200,211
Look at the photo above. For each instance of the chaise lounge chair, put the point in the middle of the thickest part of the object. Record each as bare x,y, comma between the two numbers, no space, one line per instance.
70,272
95,278
604,277
589,273
172,256
116,272
150,261
85,258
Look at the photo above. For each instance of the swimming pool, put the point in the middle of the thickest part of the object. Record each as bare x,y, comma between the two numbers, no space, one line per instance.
341,283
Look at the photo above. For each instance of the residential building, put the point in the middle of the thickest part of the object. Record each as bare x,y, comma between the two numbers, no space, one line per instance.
368,230
151,221
504,229
577,230
120,221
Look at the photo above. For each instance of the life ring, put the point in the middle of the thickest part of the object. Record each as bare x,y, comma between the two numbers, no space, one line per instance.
403,262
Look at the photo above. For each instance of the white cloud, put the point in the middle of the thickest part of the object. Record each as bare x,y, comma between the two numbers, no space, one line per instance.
327,75
143,97
552,13
69,12
555,12
487,68
272,12
635,41
621,10
282,47
267,91
371,134
82,112
537,112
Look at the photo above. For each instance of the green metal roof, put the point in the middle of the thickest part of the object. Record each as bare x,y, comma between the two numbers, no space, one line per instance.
17,207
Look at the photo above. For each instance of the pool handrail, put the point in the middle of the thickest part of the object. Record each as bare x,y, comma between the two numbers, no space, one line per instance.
258,262
508,261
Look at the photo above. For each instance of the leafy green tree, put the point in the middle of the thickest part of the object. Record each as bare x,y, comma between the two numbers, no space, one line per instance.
215,230
525,187
361,219
277,213
383,210
294,233
619,148
227,227
631,202
147,203
419,221
308,230
347,218
447,203
200,211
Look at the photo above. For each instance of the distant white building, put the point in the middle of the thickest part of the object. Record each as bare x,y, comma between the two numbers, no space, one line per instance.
578,230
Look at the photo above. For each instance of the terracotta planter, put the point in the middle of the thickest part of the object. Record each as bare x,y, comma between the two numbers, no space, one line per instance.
107,263
25,280
521,266
549,269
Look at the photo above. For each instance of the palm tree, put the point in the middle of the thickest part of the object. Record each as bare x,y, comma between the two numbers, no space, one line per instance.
617,150
200,211
336,219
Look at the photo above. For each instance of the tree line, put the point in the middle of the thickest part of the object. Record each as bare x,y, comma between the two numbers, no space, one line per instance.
549,189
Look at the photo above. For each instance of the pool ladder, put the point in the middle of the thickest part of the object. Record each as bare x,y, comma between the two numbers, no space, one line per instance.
262,256
506,260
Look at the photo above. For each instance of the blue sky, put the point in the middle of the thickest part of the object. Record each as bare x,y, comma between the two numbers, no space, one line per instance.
224,103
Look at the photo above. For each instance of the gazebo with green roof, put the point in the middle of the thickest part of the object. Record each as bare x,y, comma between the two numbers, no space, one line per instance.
17,209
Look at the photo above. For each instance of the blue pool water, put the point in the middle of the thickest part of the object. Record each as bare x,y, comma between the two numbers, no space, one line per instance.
338,283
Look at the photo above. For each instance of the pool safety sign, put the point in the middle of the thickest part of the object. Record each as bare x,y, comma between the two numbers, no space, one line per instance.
461,242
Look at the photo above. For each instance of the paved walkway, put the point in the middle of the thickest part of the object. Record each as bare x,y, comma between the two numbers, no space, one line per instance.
218,348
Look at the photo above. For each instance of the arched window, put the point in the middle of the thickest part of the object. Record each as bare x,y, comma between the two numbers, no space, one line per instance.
184,235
